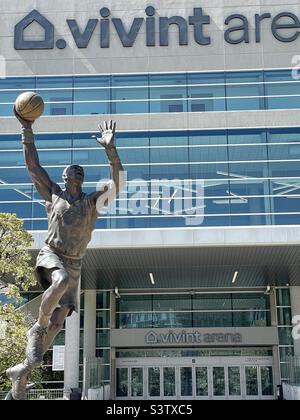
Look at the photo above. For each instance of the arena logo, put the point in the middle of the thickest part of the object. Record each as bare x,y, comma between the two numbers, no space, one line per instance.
237,29
194,337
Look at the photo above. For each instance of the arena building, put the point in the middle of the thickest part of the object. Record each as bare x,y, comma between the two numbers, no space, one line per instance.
191,280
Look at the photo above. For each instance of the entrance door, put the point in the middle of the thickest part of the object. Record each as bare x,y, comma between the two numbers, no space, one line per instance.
218,382
186,382
199,378
154,382
169,382
234,382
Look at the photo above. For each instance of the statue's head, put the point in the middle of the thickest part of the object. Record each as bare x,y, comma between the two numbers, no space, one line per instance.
73,173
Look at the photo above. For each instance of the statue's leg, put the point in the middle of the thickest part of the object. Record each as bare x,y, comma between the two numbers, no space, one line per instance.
37,334
51,297
56,324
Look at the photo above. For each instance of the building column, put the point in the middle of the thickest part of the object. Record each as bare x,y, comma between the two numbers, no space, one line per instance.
72,345
275,349
295,304
89,334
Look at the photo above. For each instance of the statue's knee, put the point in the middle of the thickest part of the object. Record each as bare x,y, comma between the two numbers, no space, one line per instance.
60,279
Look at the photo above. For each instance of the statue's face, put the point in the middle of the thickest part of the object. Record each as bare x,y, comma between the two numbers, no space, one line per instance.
74,173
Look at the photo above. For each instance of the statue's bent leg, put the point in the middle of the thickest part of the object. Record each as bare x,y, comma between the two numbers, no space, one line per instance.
51,297
56,324
36,335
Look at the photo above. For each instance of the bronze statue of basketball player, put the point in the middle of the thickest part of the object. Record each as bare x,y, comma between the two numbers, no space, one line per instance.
71,218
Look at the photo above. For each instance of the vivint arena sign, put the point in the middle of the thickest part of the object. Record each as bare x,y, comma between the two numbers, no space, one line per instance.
238,29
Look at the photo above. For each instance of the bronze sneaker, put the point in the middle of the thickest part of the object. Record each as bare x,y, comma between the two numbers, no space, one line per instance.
18,376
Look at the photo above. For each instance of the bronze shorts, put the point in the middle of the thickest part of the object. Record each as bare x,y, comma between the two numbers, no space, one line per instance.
48,259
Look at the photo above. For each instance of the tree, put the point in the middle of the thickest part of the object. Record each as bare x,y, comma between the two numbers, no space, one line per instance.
16,275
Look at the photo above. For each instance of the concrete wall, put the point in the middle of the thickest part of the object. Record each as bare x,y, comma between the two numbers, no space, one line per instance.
270,53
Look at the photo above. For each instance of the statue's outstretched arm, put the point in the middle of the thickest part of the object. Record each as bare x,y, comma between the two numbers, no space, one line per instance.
112,189
45,186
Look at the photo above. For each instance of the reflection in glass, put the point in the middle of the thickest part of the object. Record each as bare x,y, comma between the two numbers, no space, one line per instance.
219,381
122,382
266,380
186,382
251,380
154,381
234,379
169,381
137,382
201,382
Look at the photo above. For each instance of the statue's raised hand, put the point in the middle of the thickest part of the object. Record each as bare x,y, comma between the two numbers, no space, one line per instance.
107,138
25,124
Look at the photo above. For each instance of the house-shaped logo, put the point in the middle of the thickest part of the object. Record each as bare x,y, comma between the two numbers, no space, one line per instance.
46,44
151,338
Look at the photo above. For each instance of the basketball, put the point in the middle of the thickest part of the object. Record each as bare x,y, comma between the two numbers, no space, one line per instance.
29,106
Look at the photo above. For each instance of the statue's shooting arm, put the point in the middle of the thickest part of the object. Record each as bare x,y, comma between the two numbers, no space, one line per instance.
111,189
45,186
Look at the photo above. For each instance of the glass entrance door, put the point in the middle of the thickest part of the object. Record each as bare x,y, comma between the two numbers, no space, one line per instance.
170,380
186,382
251,381
219,386
154,382
234,382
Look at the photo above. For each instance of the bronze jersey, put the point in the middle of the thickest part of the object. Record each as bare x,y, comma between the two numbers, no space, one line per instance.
71,224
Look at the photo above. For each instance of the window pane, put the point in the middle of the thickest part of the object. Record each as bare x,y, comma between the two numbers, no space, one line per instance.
251,380
134,303
103,300
201,382
284,316
283,297
172,303
154,382
286,353
267,380
285,336
250,301
102,319
234,379
212,302
169,381
137,382
186,382
218,381
102,338
122,382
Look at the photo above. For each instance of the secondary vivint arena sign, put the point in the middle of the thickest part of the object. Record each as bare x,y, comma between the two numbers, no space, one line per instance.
238,29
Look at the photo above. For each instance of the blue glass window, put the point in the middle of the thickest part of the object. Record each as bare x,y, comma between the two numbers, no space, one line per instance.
57,93
206,92
92,95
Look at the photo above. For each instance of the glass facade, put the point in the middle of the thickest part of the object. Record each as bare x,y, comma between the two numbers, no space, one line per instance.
198,310
241,177
157,93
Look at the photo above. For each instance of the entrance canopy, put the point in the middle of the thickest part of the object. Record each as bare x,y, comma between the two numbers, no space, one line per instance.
191,258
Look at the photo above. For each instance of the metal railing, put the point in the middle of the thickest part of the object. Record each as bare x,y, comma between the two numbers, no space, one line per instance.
41,394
